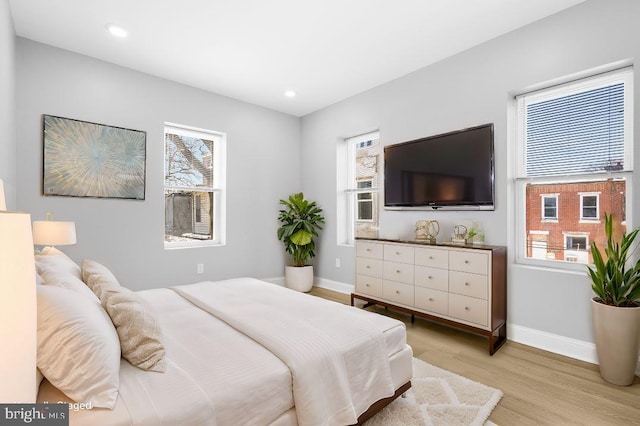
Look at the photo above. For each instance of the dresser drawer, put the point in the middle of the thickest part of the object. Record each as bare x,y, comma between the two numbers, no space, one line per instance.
473,285
370,267
432,300
468,309
401,254
370,250
400,272
435,278
468,261
369,285
432,257
397,292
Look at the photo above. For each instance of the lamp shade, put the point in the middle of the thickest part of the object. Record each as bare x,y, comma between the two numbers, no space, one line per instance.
3,201
18,309
53,233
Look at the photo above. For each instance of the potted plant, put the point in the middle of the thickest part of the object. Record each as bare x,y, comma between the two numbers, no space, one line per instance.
616,311
300,221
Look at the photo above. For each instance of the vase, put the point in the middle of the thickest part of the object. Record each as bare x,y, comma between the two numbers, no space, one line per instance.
617,335
299,278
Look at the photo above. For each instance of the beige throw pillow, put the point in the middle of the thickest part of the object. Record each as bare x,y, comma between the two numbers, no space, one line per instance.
136,324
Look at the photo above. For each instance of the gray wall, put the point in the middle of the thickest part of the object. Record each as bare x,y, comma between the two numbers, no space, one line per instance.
263,148
473,88
7,105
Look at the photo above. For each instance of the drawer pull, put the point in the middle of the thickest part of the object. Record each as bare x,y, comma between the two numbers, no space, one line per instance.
397,291
369,250
368,267
366,285
466,308
397,271
430,277
466,261
431,299
467,284
431,257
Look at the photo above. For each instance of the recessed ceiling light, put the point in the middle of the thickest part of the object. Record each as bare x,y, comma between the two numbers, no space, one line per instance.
290,94
116,31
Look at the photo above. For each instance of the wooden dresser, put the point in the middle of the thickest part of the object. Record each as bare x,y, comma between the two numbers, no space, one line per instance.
462,286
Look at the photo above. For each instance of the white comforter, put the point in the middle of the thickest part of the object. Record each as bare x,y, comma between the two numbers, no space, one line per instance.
339,365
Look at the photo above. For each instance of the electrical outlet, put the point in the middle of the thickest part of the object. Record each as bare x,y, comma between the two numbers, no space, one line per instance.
337,262
200,268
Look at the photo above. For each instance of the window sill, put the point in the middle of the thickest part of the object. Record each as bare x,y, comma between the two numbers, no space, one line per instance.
590,221
192,244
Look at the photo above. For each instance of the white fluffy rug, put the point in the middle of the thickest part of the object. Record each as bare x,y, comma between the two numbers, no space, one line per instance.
439,397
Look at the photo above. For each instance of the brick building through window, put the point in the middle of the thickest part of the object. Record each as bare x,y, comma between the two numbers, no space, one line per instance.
563,219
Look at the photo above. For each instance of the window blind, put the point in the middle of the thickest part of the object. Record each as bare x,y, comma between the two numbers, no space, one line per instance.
577,133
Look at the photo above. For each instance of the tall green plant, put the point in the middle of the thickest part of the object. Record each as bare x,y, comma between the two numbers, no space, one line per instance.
300,221
613,283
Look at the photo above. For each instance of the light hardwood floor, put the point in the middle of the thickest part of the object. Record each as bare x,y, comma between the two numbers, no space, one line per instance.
540,388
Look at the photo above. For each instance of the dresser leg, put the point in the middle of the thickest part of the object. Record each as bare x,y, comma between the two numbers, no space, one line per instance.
413,318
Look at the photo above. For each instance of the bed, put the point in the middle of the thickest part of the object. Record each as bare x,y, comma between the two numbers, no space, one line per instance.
239,352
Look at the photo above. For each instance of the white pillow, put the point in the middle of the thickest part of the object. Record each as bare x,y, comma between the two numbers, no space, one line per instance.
78,347
57,269
50,258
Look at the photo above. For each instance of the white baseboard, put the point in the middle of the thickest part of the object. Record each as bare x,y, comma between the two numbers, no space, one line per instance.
274,280
319,282
337,286
561,345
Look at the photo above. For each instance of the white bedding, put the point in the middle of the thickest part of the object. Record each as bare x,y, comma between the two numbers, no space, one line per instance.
251,385
216,374
339,363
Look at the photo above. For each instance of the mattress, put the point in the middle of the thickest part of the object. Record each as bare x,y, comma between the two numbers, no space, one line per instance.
215,374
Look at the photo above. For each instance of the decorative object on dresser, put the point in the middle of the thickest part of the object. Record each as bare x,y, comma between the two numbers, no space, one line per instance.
459,234
457,285
299,223
427,230
616,307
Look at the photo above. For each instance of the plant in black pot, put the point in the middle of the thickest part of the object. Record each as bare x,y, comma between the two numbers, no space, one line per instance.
616,308
300,220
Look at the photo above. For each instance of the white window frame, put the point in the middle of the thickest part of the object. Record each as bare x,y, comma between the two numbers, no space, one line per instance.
218,190
542,199
589,219
521,179
346,187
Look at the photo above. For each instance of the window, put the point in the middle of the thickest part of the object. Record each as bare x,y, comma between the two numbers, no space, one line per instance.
589,207
194,179
549,207
574,142
365,202
358,173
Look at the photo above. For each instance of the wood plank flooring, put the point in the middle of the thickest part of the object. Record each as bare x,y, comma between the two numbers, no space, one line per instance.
540,388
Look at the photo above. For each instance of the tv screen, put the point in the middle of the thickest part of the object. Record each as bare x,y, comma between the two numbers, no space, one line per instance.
449,170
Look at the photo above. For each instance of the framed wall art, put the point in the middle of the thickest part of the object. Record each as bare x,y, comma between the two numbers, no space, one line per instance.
83,159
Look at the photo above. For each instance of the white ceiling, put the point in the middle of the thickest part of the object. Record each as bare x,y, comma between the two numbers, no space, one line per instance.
254,50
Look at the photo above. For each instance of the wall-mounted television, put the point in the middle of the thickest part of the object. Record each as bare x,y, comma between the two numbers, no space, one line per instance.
452,170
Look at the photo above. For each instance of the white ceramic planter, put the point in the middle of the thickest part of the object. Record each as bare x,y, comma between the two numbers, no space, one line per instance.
299,278
617,336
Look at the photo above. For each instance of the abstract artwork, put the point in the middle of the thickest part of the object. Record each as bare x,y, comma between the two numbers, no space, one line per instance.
83,159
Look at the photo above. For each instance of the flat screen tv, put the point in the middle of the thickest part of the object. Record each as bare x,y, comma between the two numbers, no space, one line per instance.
453,170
